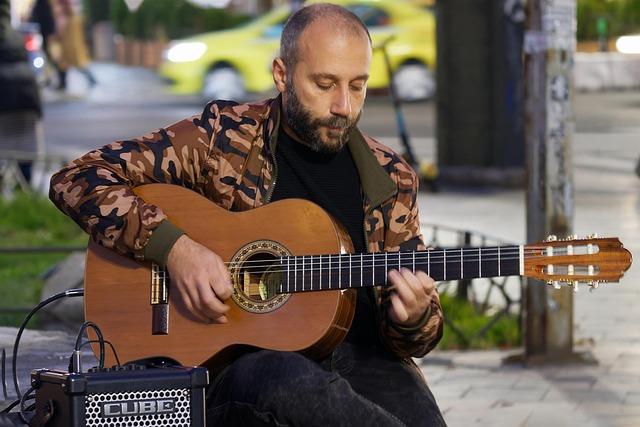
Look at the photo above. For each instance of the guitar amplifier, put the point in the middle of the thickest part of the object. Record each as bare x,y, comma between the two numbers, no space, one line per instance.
129,395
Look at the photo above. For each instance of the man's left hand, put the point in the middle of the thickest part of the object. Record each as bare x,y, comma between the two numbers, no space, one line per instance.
411,295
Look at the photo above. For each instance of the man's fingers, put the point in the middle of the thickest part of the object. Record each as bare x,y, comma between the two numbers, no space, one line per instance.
209,302
190,306
399,312
412,280
428,284
403,290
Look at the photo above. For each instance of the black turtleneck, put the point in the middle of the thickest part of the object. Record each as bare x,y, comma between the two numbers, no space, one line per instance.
332,182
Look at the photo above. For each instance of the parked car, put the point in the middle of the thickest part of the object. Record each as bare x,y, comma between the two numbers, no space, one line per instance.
229,64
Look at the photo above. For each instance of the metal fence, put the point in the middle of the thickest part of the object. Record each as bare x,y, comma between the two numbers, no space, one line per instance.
493,297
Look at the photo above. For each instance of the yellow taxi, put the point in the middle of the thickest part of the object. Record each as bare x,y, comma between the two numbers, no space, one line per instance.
231,64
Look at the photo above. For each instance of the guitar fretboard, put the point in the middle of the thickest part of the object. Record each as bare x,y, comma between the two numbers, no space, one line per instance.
342,271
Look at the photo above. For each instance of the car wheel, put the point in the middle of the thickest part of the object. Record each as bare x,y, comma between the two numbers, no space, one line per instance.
223,83
414,82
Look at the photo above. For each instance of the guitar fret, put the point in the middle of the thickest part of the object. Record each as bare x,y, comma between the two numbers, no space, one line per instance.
340,271
479,262
288,275
413,263
303,272
295,274
499,262
350,281
399,261
429,263
386,271
461,265
361,268
330,271
311,272
320,279
445,264
373,269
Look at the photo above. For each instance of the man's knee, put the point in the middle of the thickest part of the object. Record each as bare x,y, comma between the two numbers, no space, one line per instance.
265,372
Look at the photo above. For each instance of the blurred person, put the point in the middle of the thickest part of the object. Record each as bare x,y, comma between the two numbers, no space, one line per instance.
20,108
73,47
307,140
42,14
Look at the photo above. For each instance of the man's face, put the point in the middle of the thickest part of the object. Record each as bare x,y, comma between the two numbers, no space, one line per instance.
324,93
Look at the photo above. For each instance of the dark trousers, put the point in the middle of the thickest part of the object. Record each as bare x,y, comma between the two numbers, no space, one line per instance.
352,387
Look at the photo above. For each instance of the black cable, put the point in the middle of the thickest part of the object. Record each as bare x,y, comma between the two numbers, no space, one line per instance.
68,293
96,329
113,349
11,406
23,399
5,394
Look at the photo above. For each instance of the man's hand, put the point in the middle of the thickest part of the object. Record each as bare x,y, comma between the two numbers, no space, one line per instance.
411,294
201,279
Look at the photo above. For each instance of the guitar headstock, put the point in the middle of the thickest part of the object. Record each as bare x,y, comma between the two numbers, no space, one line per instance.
591,260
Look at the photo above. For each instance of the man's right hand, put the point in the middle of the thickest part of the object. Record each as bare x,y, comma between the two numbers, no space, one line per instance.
201,278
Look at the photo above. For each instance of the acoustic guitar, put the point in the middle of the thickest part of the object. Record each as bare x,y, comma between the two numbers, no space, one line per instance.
294,275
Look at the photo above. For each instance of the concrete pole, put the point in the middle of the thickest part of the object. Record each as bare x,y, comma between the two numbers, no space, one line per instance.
549,47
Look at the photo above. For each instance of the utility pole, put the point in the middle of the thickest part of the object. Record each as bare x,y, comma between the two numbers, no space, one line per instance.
549,46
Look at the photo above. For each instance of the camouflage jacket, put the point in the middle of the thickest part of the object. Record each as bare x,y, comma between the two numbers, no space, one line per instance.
227,155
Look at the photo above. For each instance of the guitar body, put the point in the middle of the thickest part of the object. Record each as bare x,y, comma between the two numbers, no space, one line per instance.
118,290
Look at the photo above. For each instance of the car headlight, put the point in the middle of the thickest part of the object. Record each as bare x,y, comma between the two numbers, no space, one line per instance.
628,44
185,51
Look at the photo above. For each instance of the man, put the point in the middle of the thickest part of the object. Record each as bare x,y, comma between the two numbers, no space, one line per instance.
302,144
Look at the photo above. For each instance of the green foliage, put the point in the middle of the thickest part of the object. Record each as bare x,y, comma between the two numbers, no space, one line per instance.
622,16
29,221
170,18
504,333
96,10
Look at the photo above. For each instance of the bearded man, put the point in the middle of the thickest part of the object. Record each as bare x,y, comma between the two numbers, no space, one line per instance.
302,144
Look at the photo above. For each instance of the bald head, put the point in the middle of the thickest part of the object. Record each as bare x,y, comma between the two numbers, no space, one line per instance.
340,19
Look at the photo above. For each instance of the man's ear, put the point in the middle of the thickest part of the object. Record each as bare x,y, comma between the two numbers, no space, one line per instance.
280,74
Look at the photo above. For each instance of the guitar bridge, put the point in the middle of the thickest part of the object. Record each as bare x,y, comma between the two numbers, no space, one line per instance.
159,300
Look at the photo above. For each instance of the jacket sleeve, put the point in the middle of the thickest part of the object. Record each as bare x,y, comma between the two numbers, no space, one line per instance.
96,189
404,234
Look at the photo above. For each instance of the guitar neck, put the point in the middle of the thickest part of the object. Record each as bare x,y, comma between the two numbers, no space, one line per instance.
344,271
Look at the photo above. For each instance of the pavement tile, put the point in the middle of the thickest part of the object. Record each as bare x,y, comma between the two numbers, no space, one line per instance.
505,394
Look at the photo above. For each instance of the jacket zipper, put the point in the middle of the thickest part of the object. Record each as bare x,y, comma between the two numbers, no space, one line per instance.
272,186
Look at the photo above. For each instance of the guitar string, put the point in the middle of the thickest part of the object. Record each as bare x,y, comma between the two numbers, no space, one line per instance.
454,251
452,254
372,259
336,265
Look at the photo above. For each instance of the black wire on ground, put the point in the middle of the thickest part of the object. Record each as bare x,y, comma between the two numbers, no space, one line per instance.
23,399
78,292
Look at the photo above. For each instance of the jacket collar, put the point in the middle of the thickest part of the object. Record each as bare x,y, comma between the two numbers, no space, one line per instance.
377,185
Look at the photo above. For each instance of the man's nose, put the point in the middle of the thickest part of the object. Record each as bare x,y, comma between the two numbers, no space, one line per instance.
341,103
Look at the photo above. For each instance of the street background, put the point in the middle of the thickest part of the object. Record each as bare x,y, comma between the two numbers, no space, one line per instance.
472,387
478,115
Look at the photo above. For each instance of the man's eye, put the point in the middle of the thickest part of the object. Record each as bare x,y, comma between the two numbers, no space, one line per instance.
324,87
357,88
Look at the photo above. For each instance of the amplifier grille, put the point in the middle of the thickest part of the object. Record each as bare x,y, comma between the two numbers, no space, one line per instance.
168,407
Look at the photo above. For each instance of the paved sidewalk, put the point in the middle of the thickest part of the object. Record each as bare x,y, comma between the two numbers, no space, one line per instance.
474,387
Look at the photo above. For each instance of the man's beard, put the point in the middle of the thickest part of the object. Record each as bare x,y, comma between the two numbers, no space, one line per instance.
308,129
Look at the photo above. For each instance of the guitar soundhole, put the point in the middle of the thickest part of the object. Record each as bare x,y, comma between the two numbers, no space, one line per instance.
261,278
257,276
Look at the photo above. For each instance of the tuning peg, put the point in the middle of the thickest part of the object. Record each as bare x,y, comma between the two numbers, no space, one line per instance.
571,237
556,284
575,285
552,238
592,236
